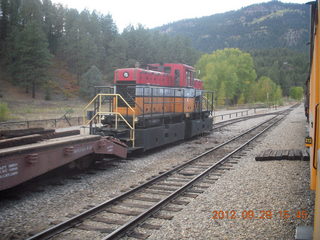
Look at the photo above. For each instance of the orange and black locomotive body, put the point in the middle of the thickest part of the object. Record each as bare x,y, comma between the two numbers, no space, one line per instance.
155,106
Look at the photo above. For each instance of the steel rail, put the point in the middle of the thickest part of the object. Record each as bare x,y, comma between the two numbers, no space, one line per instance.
46,234
236,120
155,208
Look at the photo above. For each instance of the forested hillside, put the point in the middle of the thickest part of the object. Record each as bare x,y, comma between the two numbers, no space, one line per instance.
34,34
266,25
285,67
43,45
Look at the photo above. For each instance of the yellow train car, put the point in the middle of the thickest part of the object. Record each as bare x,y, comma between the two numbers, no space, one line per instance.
313,112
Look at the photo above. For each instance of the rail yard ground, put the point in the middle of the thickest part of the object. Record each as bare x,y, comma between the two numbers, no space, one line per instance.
274,186
271,187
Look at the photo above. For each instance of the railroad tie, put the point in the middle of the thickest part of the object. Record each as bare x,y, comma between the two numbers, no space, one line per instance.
145,199
151,191
180,202
123,212
162,216
170,184
150,226
135,205
195,191
305,155
288,154
138,235
108,220
172,209
164,188
87,227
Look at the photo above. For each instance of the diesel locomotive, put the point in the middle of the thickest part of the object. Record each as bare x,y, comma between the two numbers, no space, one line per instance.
152,106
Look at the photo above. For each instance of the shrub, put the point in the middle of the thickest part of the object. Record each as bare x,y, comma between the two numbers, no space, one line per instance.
4,112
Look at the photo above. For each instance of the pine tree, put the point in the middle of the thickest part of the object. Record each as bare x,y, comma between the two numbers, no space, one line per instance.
90,79
4,19
30,57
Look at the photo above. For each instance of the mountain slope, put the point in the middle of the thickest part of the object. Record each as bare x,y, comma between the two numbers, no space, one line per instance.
266,25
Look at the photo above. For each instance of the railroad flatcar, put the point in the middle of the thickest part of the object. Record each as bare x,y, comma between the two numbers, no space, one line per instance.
152,106
312,107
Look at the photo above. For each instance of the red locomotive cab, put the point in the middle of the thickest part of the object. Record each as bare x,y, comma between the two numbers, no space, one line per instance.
182,75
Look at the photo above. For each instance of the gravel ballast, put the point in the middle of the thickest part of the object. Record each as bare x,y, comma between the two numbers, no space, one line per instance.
251,185
274,186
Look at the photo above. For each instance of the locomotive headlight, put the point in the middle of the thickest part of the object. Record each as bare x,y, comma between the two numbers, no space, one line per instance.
126,74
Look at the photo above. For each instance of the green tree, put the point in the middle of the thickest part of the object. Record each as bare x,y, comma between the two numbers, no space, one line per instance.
90,79
53,22
277,96
78,40
231,67
221,97
267,91
29,57
4,19
265,88
287,68
241,99
296,93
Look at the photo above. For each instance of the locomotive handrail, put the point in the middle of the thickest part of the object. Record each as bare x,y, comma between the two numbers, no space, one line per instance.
114,113
208,102
105,94
99,113
136,104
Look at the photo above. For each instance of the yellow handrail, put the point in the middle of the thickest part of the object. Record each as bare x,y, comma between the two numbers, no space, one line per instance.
206,99
100,113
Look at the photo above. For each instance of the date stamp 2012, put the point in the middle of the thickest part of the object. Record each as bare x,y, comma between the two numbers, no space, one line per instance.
259,214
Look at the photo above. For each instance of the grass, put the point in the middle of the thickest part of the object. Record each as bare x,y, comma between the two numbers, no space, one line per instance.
4,112
38,110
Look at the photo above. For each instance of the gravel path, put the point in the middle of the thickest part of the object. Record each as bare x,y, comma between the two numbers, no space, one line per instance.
35,211
258,186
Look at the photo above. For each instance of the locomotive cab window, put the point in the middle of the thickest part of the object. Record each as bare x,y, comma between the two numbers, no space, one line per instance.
167,69
189,78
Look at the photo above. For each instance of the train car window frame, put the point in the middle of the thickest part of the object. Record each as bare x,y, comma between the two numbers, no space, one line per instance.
177,77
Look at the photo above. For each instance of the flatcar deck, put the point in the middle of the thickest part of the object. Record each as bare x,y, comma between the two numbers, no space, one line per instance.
22,163
46,144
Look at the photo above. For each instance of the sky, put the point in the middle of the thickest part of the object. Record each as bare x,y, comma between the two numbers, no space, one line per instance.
156,13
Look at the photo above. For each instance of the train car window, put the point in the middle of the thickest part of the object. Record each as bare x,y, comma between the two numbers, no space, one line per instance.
188,78
192,79
167,69
177,77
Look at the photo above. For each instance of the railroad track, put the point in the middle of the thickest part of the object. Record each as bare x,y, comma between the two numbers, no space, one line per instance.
240,119
124,214
59,176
